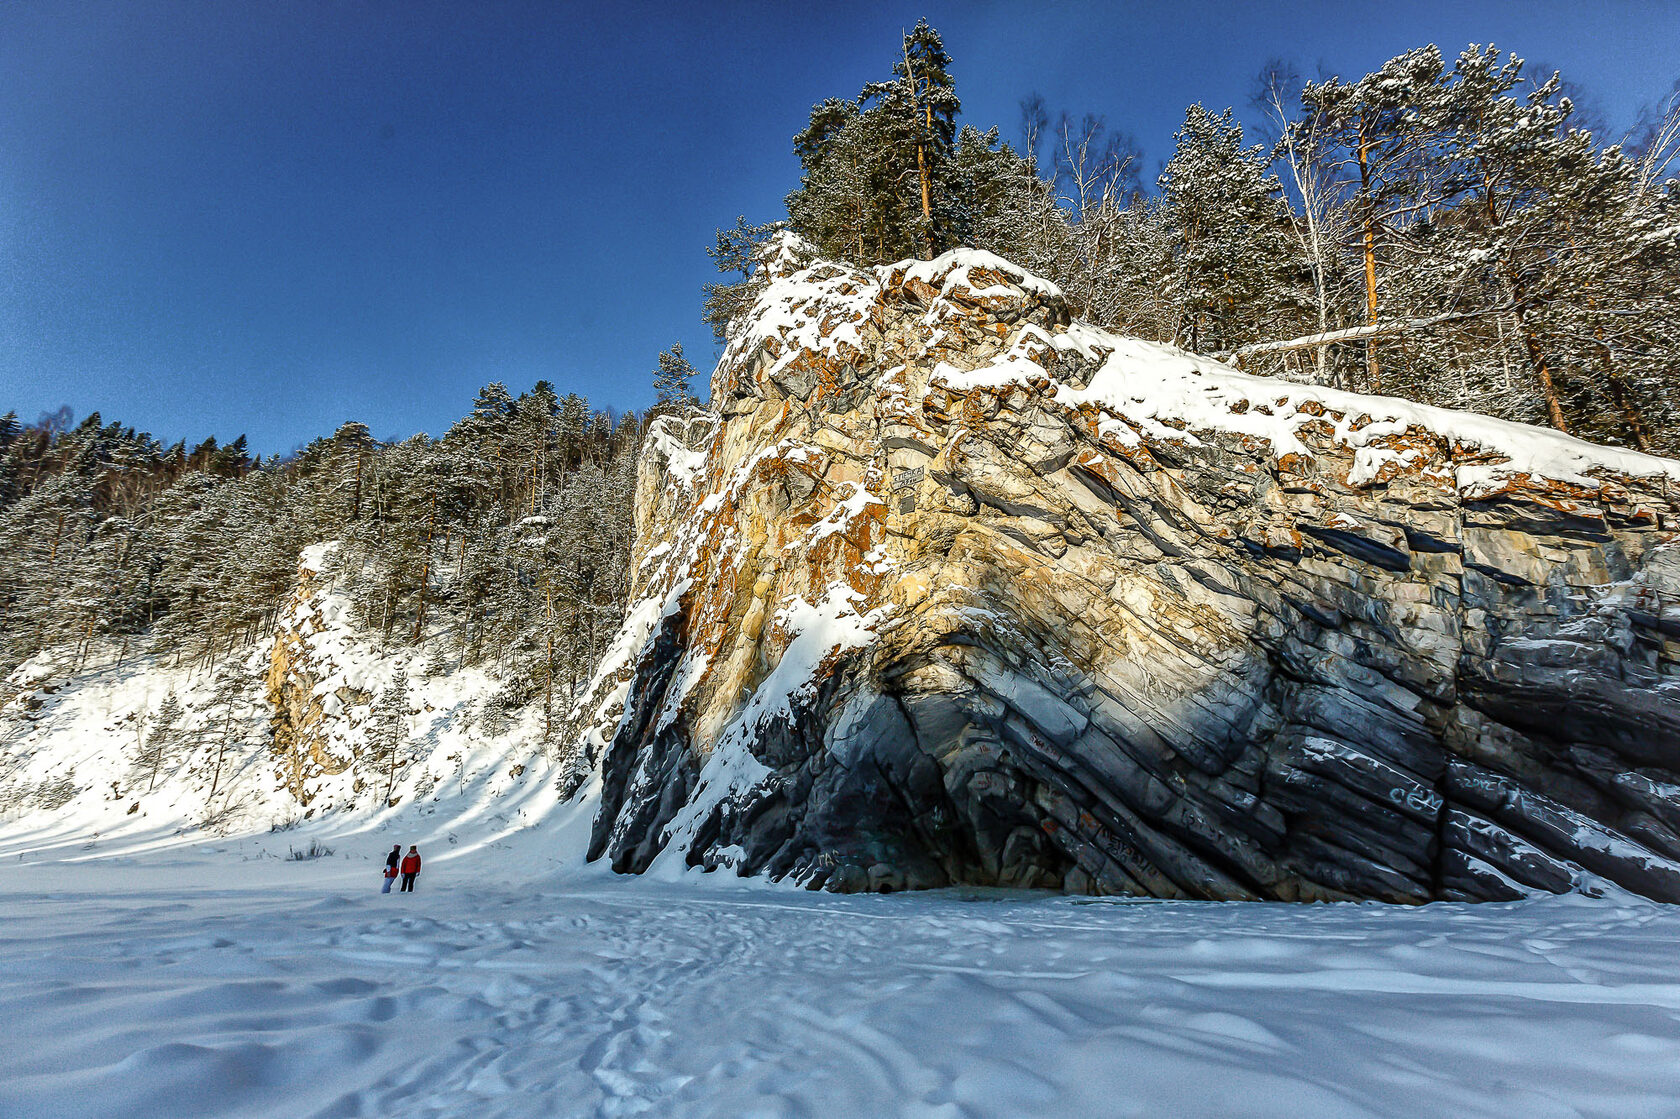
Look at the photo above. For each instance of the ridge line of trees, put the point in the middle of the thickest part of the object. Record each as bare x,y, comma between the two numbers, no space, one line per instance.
1447,232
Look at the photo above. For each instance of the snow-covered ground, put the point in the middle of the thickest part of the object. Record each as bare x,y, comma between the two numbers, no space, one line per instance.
230,980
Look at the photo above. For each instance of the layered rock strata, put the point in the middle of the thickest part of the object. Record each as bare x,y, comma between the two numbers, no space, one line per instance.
949,588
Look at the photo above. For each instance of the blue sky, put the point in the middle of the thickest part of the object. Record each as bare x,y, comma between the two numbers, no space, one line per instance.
227,217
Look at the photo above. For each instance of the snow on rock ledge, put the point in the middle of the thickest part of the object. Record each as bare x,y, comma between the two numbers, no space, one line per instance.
951,588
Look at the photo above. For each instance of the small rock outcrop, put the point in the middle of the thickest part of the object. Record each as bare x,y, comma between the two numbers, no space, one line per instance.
320,686
949,588
303,752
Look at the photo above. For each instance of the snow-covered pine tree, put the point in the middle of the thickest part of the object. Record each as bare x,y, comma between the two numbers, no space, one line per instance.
224,725
534,439
388,747
1528,195
41,535
1231,247
734,253
1378,145
1611,318
162,741
352,443
840,205
571,433
673,378
10,430
877,184
192,546
93,586
920,108
436,663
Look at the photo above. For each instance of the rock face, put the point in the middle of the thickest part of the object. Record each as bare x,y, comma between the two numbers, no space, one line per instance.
951,589
303,750
320,686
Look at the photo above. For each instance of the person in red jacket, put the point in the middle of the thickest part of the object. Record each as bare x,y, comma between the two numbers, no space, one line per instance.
410,868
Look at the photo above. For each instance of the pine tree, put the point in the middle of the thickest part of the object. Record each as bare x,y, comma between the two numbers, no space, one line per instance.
1231,246
985,179
734,253
1382,141
162,741
229,697
878,184
571,429
1526,192
42,536
672,379
352,443
841,206
921,106
533,436
387,737
10,431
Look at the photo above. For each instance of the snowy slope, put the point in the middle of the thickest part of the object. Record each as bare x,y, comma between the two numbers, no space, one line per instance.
67,756
70,787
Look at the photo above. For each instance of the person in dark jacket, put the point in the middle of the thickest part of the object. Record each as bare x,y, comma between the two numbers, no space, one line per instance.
391,862
410,868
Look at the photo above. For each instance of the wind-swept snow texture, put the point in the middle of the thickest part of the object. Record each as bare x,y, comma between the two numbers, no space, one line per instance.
200,985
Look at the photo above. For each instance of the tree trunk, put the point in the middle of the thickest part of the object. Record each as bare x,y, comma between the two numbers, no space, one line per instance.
1537,362
1353,334
1617,388
356,499
1373,374
227,725
1623,399
425,568
922,169
1542,372
1307,185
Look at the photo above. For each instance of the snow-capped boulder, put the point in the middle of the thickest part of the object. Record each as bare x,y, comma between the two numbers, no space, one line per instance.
953,589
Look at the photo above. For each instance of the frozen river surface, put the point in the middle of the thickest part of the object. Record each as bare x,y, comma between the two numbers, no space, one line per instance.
193,984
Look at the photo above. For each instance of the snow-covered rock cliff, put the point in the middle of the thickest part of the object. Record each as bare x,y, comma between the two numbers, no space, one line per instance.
950,588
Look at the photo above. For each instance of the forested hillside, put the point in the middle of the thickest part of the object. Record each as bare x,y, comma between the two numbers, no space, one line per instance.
502,544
